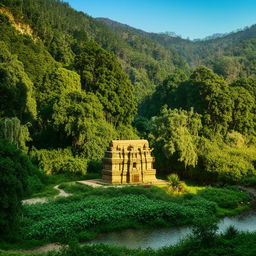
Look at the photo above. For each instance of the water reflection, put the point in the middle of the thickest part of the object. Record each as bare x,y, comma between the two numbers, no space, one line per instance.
158,238
244,222
144,238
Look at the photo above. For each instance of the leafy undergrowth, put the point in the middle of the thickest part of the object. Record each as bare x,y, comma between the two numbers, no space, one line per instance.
91,211
62,219
249,181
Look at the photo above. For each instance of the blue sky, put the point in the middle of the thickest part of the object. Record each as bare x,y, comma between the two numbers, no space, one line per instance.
188,18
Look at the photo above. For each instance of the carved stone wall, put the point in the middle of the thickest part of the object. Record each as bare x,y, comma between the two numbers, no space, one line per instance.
129,161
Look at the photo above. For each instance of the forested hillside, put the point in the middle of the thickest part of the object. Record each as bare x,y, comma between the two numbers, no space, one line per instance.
231,55
144,60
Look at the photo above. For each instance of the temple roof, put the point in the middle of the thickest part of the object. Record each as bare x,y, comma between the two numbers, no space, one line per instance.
138,143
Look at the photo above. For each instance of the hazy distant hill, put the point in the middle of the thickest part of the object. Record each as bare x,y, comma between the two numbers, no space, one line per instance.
206,51
165,39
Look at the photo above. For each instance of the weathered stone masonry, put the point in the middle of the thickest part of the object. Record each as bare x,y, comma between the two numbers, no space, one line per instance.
129,161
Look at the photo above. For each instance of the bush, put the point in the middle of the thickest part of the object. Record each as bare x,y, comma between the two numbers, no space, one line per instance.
227,164
175,185
60,161
235,139
231,232
225,198
205,229
249,181
95,166
18,178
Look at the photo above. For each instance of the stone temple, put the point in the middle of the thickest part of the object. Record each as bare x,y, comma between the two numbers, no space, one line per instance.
129,161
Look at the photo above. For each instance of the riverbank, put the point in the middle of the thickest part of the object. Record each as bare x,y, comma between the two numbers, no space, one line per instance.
92,211
230,243
156,238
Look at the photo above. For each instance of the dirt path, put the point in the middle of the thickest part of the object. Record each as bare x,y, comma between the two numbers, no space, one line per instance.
45,199
61,192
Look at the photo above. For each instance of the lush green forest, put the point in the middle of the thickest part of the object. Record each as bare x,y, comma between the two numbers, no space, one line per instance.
69,84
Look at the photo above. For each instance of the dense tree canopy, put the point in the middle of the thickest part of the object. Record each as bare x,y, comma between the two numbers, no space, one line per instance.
102,74
174,134
16,89
80,116
208,94
78,113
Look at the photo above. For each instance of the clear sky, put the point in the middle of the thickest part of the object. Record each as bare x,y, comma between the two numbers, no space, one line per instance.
188,18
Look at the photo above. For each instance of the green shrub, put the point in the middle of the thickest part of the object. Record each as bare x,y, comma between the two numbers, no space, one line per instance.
249,181
95,166
18,178
175,185
60,161
205,228
225,198
225,163
231,232
235,139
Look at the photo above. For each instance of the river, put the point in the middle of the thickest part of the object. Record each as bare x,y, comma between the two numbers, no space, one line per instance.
158,238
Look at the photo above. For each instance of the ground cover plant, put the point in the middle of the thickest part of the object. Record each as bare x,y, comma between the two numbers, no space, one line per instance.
91,211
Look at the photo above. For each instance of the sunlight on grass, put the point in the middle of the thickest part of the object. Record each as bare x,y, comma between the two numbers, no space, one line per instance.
193,189
187,189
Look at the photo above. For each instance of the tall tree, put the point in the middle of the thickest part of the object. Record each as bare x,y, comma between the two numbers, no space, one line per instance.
12,130
80,116
16,89
174,135
102,74
209,95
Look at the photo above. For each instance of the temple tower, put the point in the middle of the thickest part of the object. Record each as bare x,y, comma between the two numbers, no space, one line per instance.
129,161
